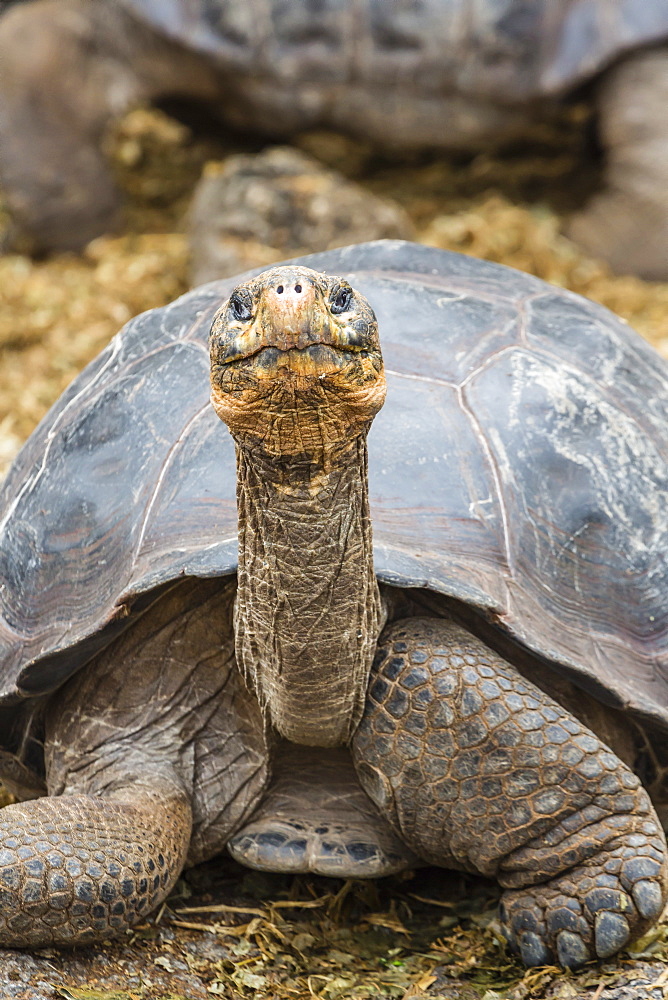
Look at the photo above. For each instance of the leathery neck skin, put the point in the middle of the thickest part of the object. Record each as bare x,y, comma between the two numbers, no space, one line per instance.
297,376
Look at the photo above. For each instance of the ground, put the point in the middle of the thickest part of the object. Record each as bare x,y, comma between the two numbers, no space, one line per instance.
226,932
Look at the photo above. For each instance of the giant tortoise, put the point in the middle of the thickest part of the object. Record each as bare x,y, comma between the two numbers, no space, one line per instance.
443,73
484,688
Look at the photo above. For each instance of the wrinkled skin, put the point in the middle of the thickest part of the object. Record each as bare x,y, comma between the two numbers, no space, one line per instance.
368,736
68,68
298,386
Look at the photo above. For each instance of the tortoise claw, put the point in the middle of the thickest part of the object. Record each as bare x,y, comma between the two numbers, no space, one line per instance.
584,915
533,949
611,932
648,898
572,952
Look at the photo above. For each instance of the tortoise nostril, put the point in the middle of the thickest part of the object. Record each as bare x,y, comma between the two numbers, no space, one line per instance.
298,288
280,289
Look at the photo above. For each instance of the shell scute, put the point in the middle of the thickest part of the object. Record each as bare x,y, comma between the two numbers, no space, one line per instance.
501,50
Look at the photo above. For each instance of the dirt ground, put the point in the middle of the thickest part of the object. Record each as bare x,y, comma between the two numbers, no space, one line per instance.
240,935
227,932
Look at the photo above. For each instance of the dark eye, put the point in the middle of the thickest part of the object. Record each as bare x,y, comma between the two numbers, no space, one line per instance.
341,298
239,307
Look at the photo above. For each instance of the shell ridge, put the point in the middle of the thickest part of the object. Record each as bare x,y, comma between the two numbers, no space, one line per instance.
148,507
495,472
51,433
421,378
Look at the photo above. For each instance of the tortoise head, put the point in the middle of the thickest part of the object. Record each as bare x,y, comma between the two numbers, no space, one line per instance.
296,362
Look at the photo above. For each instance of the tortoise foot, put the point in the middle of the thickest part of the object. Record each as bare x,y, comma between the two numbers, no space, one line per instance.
78,868
593,910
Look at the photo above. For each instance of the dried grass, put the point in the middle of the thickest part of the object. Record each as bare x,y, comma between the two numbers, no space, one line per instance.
56,314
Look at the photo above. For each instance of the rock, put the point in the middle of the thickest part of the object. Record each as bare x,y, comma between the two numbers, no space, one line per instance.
254,210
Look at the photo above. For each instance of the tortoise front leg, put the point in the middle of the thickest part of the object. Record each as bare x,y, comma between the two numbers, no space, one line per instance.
480,770
78,868
154,755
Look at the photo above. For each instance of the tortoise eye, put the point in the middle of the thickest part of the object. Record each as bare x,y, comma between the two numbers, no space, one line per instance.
341,298
239,307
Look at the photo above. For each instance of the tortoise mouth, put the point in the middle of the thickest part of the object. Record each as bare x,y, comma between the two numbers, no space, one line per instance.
340,343
316,359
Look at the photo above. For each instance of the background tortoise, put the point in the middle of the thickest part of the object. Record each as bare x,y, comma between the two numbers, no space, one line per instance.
435,73
518,477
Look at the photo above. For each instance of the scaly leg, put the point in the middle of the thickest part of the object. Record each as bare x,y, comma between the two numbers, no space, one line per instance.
480,770
155,753
78,868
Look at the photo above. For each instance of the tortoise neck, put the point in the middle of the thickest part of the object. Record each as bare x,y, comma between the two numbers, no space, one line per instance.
308,608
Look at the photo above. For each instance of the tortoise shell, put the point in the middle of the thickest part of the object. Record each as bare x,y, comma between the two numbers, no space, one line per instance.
505,50
520,464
